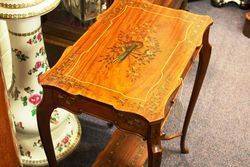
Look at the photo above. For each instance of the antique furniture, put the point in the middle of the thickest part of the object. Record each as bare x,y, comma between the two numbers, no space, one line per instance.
8,147
246,28
60,34
29,60
61,29
127,69
243,4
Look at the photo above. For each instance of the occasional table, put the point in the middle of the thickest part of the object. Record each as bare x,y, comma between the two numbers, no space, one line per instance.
127,69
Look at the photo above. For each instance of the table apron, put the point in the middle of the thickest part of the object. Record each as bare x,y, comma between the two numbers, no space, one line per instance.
77,104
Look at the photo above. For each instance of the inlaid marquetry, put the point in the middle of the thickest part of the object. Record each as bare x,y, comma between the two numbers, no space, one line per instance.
127,57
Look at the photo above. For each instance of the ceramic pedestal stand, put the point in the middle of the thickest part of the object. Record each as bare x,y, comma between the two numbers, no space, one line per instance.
29,60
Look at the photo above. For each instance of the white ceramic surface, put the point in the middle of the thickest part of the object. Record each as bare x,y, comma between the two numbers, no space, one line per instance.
65,137
5,53
29,59
22,9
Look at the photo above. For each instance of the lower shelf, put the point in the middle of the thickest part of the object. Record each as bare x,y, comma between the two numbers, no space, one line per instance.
123,150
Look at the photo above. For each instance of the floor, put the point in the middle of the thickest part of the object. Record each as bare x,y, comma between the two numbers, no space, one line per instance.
219,133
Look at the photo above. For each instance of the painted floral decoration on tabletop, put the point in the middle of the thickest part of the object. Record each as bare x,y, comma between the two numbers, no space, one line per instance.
139,46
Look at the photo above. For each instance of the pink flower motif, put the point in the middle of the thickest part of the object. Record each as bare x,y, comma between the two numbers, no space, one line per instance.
65,140
38,64
35,99
39,36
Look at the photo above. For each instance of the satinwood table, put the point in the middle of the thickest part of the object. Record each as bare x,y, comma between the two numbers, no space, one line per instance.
127,69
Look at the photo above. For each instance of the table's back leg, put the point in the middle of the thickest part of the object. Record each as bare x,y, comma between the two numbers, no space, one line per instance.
44,111
201,72
154,146
109,3
184,5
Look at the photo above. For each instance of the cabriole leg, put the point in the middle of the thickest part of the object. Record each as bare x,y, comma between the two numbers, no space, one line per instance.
44,112
201,72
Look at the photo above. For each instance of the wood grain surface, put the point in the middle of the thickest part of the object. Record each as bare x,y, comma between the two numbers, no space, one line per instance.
8,148
132,58
123,150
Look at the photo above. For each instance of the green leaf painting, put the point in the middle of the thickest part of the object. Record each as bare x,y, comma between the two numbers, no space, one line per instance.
33,112
24,100
20,55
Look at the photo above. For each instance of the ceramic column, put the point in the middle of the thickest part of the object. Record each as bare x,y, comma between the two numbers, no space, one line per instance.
29,60
5,53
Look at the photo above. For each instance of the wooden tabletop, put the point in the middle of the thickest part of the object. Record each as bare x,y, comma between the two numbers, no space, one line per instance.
132,58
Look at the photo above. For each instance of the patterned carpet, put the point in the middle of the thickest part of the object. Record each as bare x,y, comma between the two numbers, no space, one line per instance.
219,132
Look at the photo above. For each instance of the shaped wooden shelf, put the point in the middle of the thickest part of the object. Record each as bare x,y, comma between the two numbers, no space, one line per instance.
124,149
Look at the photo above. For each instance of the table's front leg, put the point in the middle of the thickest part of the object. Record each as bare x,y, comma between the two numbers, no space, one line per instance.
201,72
154,145
44,111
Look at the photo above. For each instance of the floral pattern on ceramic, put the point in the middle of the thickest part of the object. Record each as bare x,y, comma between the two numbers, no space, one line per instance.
19,125
35,39
19,55
24,153
65,142
55,117
38,143
41,52
67,137
39,67
29,61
